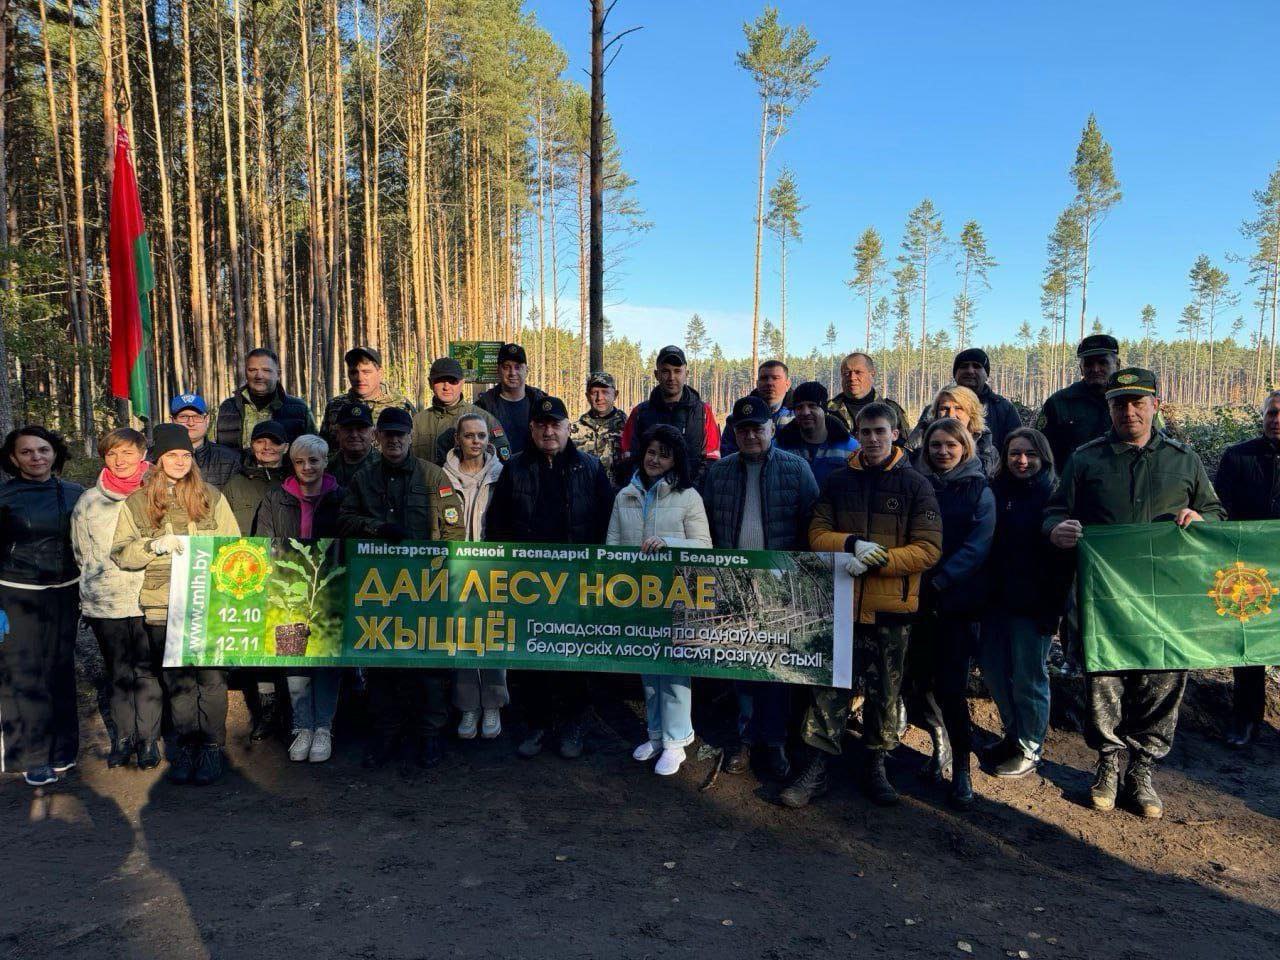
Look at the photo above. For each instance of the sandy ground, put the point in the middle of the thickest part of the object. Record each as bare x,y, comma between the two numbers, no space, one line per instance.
492,856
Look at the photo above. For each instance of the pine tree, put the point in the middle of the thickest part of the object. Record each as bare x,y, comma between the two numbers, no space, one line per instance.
1097,191
868,276
695,338
783,220
785,70
1147,321
1264,267
923,243
975,261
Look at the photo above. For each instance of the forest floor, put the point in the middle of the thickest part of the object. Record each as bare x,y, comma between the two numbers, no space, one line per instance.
492,856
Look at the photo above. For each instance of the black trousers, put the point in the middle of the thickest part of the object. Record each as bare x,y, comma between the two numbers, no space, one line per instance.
937,678
132,664
1249,694
197,698
553,698
1135,710
38,722
408,700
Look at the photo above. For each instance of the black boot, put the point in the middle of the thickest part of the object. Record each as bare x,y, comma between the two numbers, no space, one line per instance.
182,766
938,767
264,718
1106,782
811,783
148,755
208,765
777,762
121,753
1140,791
738,760
960,795
879,789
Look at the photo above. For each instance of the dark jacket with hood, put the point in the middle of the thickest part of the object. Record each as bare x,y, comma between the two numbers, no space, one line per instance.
567,500
292,413
280,512
958,584
246,489
787,493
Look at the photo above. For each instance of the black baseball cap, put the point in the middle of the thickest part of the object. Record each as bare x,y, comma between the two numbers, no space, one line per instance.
356,354
1097,345
356,415
395,420
810,391
601,379
269,428
673,355
751,409
1132,382
512,352
446,368
548,408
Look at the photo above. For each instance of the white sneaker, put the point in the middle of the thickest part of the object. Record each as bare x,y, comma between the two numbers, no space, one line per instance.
300,749
491,723
646,751
321,746
669,762
467,726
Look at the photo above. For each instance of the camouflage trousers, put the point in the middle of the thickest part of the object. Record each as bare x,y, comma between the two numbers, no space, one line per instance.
879,655
1135,710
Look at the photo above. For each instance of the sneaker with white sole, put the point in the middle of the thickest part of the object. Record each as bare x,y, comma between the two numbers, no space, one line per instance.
40,776
321,746
300,749
64,766
669,762
491,723
646,751
467,725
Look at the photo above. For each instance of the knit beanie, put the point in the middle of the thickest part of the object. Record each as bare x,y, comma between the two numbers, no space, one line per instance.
972,355
167,437
809,392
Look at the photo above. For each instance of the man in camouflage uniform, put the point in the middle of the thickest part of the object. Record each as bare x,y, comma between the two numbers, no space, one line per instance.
1135,474
885,516
858,390
403,498
1079,413
433,426
364,373
599,430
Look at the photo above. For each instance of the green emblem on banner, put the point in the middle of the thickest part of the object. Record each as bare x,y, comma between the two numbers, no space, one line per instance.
1241,592
241,569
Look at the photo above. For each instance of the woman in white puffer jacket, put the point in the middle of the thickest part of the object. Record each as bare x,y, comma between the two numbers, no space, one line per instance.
658,509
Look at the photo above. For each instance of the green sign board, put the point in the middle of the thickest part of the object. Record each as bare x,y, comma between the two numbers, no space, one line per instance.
748,615
479,359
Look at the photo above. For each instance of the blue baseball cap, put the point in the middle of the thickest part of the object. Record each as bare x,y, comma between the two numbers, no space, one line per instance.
187,401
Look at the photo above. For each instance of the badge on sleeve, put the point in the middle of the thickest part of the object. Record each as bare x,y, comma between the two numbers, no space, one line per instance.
450,514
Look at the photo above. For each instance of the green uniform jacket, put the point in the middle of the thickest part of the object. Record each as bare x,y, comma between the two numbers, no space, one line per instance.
414,493
1107,481
846,408
1072,417
345,472
246,489
601,436
433,431
334,408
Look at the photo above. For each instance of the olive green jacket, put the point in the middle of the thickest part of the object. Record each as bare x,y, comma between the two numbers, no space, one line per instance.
414,494
433,431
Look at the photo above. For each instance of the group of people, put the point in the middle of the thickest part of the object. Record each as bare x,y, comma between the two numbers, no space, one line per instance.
959,529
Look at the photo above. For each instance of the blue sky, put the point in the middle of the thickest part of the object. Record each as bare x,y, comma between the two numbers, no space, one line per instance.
978,106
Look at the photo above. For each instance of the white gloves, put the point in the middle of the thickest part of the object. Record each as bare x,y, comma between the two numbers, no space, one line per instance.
169,543
871,554
855,566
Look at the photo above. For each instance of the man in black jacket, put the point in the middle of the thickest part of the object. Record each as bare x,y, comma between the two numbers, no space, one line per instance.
552,493
261,398
1079,413
1248,483
512,400
676,403
217,463
399,497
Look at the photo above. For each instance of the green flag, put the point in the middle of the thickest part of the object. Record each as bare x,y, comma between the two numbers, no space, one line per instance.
1156,597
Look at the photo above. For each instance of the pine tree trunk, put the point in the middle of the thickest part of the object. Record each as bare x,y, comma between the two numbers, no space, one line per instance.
755,305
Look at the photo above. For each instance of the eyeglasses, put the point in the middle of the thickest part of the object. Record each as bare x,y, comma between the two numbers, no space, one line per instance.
191,418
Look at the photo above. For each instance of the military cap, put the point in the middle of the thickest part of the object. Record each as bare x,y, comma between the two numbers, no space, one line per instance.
512,352
356,354
355,415
751,409
601,379
395,420
1132,382
548,408
445,368
1097,345
271,429
672,355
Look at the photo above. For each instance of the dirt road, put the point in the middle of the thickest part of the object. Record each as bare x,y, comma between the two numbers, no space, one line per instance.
490,856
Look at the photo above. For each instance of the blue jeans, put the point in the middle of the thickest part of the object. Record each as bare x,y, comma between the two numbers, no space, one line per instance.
762,712
314,695
668,708
1012,655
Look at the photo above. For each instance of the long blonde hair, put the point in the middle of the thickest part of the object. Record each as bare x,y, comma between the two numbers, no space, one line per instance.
190,493
968,401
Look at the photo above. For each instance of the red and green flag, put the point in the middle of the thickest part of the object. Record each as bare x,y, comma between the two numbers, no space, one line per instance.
1154,596
132,280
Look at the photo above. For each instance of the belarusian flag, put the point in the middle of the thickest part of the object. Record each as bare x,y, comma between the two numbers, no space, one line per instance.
132,280
1156,597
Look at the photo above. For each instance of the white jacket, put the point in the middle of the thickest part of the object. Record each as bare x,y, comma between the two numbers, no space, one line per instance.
677,516
475,489
106,591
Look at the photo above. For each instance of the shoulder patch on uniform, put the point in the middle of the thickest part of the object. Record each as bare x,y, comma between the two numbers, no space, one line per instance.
497,432
450,514
446,490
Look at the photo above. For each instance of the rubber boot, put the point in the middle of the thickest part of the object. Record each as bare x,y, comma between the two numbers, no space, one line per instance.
938,767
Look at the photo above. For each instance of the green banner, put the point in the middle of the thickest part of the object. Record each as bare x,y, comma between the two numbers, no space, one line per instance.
746,615
1156,597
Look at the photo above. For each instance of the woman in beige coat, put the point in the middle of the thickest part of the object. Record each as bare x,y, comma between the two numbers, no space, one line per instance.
657,510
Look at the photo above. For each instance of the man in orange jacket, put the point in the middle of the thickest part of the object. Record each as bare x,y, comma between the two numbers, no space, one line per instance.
884,514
